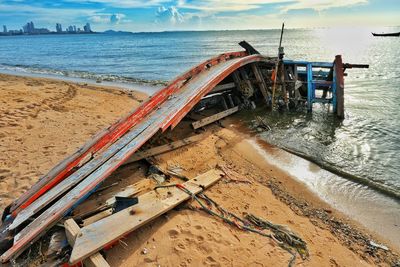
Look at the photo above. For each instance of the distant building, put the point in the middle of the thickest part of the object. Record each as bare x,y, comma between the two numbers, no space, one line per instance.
41,31
87,28
4,29
58,28
74,28
29,28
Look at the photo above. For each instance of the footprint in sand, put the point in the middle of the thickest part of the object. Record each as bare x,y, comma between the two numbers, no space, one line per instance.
210,261
180,247
173,234
12,117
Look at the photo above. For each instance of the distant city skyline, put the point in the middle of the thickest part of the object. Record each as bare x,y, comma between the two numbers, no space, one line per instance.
29,28
161,15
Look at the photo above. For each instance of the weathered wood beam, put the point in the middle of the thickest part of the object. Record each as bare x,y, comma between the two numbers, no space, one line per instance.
246,79
261,82
213,118
165,148
249,48
339,86
236,79
151,205
72,231
223,87
97,217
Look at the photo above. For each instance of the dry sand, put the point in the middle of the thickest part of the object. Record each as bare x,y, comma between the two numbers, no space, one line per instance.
42,121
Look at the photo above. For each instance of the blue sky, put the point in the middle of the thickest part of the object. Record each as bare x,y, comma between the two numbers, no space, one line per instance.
161,15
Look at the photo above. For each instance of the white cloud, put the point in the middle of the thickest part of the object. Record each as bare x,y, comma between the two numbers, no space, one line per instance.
170,15
240,5
108,18
320,5
124,3
116,18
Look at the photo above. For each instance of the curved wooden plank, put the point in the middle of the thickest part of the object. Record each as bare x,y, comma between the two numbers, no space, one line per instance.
111,134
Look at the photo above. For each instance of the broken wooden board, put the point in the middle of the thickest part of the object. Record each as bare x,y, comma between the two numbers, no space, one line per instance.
76,177
165,148
103,201
215,117
151,205
72,231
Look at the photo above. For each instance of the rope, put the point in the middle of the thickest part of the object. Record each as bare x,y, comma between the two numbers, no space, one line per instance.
283,236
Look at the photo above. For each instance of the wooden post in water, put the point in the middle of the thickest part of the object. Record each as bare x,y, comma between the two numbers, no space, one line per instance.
339,86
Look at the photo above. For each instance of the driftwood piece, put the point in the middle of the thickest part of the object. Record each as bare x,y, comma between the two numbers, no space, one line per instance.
213,118
151,205
165,148
72,231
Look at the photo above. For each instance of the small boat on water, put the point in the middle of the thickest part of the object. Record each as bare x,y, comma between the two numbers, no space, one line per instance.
393,34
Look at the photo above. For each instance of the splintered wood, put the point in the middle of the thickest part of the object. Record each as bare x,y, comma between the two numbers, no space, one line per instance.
151,205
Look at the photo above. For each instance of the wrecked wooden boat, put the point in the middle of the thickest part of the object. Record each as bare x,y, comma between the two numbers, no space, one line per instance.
224,85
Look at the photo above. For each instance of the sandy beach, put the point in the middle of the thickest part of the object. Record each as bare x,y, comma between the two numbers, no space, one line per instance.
42,121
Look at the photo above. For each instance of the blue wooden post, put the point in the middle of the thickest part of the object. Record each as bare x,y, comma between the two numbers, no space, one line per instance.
310,88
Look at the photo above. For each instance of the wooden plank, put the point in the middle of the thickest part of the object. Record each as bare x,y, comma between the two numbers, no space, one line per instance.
165,148
97,217
106,200
72,231
75,178
151,205
261,82
223,87
236,79
215,117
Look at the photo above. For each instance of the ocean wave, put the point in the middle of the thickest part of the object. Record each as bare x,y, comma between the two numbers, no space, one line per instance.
79,74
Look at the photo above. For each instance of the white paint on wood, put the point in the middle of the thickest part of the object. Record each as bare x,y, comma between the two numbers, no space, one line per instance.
72,231
151,205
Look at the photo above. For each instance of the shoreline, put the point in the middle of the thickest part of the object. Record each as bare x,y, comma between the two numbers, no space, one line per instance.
142,87
374,211
310,213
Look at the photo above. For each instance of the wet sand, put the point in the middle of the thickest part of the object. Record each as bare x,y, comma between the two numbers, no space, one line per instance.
42,121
